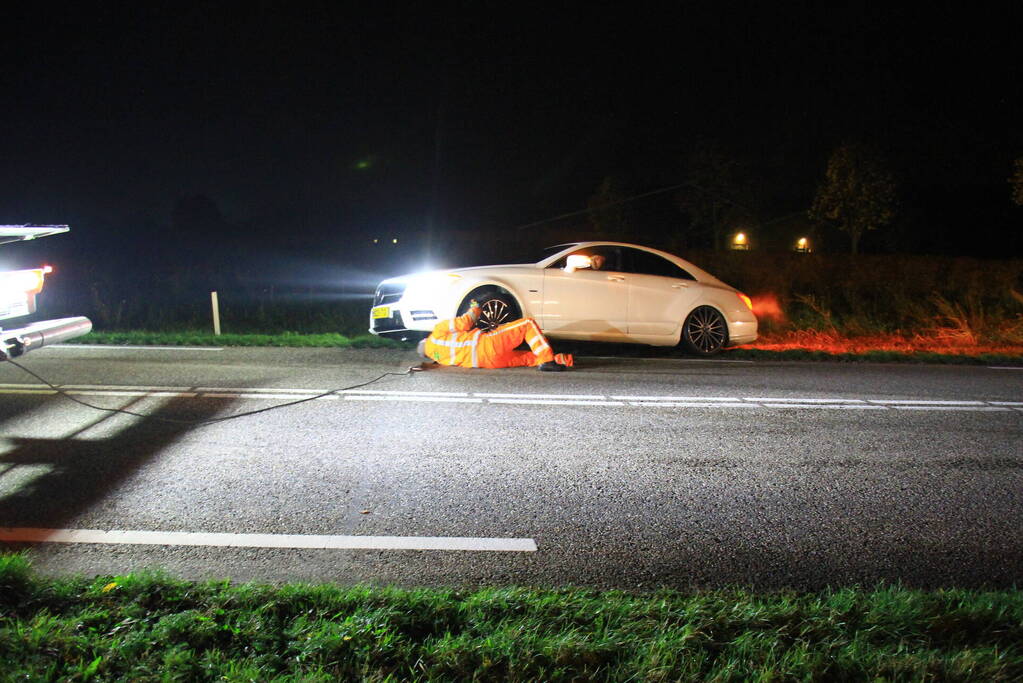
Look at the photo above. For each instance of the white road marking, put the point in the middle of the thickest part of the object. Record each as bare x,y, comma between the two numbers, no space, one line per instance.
404,393
575,397
824,406
979,409
109,387
693,404
675,398
117,347
1004,367
555,402
257,397
286,394
927,403
254,390
677,360
803,400
28,391
427,399
122,392
185,538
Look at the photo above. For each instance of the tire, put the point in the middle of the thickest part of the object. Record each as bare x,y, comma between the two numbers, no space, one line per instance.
496,308
705,331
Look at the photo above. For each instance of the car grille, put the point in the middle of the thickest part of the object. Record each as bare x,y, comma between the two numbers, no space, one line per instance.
388,294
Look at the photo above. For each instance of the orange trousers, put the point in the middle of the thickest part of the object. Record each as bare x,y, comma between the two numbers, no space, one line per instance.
496,349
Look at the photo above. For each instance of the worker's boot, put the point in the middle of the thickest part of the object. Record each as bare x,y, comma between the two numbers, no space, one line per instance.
550,366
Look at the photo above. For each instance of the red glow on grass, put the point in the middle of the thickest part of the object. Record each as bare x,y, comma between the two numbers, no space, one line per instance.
833,342
766,306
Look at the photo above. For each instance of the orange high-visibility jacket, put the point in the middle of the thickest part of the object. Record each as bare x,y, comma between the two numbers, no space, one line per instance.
459,342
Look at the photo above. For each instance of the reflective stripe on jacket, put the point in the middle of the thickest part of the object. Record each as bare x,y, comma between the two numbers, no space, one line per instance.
455,341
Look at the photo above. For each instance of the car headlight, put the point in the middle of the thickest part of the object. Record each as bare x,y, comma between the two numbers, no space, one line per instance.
436,282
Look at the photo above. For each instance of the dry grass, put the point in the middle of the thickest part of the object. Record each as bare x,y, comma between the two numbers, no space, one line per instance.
834,342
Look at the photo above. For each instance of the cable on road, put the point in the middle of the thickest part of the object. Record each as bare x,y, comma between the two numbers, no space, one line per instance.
212,419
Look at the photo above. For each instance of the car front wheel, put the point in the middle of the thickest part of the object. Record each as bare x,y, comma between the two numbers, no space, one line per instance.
495,309
705,331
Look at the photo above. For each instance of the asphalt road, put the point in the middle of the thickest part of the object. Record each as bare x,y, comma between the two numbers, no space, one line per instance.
624,472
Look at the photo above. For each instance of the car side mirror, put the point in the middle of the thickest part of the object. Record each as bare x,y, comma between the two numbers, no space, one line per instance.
576,261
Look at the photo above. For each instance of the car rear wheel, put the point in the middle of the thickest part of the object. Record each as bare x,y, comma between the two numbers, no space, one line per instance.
705,331
496,308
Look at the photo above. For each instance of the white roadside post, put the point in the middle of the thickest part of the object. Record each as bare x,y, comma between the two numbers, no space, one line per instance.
216,313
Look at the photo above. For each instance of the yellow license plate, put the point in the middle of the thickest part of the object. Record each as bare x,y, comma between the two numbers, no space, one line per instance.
381,312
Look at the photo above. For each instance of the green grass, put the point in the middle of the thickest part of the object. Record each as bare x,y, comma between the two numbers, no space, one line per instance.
188,338
150,627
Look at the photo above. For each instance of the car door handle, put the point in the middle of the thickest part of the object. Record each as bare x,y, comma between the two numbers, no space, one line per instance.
615,278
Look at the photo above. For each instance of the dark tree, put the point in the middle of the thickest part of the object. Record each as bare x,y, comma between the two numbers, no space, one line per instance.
1016,182
858,193
607,210
720,193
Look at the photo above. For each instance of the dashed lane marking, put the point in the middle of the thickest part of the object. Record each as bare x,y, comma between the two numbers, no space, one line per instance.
597,400
423,399
552,402
675,398
676,360
824,406
185,538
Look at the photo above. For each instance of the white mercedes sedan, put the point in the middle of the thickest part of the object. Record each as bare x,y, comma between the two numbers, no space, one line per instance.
587,291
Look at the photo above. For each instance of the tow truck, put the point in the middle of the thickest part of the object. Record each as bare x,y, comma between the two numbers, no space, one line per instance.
18,290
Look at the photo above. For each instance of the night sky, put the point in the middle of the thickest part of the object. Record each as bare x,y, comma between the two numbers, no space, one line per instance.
269,129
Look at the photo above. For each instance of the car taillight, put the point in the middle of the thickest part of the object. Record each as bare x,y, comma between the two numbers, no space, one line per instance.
24,281
746,300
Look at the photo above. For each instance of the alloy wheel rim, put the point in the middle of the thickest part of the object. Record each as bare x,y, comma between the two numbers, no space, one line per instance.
493,313
706,330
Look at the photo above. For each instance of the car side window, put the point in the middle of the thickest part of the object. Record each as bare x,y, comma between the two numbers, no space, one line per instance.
603,258
646,263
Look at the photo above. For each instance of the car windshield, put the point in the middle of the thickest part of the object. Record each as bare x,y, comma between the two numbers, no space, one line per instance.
552,250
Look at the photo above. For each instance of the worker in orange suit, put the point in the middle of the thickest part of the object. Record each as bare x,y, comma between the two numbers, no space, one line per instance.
459,342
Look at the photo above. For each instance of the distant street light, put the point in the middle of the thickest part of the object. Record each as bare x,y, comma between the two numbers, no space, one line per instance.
803,245
740,241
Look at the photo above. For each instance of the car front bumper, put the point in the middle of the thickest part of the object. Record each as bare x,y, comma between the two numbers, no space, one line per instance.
396,322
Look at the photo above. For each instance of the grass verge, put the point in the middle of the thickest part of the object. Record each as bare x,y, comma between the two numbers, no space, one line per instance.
292,339
150,627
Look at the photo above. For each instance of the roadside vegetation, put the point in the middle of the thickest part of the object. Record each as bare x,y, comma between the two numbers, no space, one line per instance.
862,307
196,338
923,300
151,627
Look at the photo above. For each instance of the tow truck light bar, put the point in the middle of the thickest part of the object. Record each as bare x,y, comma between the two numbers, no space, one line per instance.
22,233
